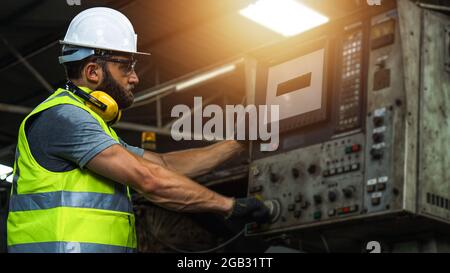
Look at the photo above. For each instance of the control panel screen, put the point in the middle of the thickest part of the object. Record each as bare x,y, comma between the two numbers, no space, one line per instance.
297,84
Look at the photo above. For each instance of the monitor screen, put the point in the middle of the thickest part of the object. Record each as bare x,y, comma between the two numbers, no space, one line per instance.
298,85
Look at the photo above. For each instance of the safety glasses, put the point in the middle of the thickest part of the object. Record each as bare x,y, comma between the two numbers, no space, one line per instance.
126,65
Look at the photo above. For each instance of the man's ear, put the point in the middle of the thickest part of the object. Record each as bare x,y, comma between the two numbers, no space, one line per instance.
93,73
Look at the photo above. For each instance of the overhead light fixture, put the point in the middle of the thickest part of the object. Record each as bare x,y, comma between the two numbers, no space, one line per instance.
287,17
205,77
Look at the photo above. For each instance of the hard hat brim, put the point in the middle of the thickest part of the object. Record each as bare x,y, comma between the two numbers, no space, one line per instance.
103,48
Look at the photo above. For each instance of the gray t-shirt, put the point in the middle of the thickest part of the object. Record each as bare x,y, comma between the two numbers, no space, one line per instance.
66,137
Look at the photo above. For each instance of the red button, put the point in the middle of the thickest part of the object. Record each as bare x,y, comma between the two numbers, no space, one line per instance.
356,148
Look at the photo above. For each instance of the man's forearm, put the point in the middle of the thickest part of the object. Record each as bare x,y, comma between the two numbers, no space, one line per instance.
160,185
179,193
194,162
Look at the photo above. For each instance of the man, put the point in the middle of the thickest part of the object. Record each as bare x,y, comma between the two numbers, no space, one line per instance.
72,172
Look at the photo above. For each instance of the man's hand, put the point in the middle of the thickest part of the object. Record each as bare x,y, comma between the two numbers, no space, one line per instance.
248,210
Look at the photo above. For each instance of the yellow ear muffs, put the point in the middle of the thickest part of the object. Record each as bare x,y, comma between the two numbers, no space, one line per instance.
112,113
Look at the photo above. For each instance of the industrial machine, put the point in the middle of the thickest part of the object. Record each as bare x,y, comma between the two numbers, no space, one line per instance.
364,125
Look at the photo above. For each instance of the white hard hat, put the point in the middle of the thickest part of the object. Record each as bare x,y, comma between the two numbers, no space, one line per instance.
99,28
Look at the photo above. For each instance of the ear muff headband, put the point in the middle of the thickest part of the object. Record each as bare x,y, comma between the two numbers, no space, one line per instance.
99,102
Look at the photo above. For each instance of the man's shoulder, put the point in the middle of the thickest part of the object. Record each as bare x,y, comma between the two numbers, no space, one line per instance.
67,112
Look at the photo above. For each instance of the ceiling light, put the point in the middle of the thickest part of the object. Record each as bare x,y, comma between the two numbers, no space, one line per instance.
287,17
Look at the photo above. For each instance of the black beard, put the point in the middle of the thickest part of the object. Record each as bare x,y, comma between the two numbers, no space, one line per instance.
122,96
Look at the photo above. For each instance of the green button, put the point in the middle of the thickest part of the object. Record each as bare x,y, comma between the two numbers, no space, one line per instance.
317,215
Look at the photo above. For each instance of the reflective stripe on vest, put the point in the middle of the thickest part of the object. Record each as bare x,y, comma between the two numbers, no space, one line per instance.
49,200
68,247
73,211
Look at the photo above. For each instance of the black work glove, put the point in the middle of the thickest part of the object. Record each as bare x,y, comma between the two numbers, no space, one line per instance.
247,210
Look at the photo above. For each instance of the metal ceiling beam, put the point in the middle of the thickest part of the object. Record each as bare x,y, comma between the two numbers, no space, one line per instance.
33,71
32,54
15,16
21,12
170,87
16,109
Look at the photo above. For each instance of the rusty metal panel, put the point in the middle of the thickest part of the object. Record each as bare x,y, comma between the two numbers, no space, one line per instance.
434,154
410,31
385,100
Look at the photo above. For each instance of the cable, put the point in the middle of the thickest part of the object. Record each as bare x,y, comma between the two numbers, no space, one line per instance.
200,251
325,243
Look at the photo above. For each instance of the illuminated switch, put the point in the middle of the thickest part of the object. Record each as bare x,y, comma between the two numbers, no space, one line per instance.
353,208
317,215
382,182
371,185
346,168
356,148
376,198
355,167
353,149
383,179
331,212
346,210
343,210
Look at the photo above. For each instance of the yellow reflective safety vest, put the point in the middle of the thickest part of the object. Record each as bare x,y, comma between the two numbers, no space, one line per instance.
73,211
